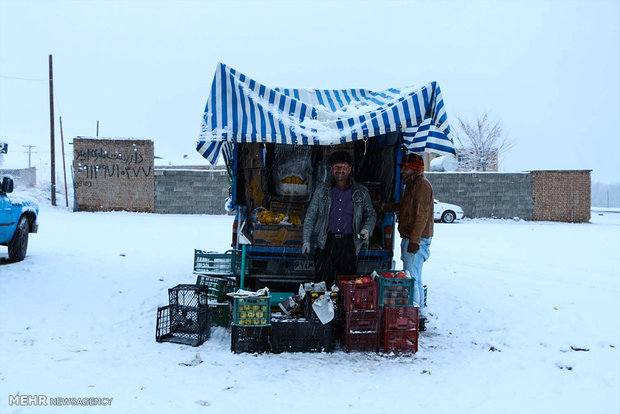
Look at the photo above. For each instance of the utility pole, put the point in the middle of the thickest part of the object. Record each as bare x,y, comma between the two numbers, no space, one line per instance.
97,128
53,155
30,147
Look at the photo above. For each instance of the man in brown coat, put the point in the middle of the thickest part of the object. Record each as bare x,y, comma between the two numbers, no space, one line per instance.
415,223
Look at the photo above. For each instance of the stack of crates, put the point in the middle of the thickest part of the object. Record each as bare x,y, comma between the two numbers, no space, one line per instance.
251,324
361,314
186,319
220,306
218,271
399,325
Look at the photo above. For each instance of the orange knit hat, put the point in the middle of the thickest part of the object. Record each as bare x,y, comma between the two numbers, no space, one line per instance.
413,161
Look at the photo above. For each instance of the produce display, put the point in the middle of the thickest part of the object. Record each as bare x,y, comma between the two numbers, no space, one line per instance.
359,280
271,217
395,288
294,179
394,275
252,315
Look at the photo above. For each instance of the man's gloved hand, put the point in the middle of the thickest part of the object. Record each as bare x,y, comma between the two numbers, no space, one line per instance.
413,247
305,249
364,234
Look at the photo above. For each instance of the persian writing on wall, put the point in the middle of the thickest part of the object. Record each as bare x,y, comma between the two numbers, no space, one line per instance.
113,174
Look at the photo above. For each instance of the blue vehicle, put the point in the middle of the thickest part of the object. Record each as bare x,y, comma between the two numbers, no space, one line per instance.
18,218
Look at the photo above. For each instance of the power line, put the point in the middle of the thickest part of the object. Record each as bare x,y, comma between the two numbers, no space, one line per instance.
30,147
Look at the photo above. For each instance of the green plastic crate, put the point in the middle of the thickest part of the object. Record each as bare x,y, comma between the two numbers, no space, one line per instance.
213,263
395,291
219,286
277,297
252,311
220,314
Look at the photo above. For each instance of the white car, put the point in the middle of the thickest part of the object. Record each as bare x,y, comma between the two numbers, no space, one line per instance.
447,213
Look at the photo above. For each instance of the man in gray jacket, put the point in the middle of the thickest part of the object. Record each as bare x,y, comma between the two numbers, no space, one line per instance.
342,217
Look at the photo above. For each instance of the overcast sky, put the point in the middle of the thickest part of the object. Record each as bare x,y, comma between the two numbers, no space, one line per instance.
550,71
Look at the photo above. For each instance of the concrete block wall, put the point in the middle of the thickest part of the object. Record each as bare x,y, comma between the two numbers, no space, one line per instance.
485,194
22,177
561,196
536,195
190,191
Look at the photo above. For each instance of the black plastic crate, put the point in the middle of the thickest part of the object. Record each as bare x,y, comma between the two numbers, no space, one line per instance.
251,339
290,334
189,295
183,324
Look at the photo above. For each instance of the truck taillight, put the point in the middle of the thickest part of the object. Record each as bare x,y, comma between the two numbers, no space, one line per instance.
234,233
388,230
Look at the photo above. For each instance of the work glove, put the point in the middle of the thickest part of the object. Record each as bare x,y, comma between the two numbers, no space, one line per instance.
364,234
413,247
305,249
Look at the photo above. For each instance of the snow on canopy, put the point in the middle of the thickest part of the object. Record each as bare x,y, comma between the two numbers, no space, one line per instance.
241,110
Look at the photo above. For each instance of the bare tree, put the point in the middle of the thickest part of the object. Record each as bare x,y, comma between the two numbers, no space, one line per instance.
480,143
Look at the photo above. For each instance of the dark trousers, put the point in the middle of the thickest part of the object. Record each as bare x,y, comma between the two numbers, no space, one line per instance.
337,258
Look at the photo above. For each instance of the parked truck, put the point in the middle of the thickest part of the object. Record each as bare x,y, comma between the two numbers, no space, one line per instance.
276,143
18,218
271,188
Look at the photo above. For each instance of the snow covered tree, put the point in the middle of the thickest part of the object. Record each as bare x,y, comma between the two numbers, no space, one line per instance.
480,144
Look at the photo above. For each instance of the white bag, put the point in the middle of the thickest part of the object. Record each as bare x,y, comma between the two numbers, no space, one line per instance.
324,308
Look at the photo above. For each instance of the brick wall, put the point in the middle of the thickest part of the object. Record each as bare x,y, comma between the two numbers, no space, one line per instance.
22,177
113,174
485,194
190,191
561,196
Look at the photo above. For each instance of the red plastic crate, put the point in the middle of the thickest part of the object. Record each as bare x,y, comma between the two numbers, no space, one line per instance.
361,341
400,318
341,278
399,340
365,321
360,296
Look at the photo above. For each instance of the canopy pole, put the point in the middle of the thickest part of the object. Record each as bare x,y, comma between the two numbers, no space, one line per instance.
241,279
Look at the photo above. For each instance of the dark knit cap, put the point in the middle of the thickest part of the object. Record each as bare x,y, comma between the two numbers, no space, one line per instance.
340,156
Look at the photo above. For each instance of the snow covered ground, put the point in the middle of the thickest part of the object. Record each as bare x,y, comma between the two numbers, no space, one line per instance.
524,320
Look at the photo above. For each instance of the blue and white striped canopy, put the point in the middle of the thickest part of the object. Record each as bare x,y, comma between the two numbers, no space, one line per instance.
240,109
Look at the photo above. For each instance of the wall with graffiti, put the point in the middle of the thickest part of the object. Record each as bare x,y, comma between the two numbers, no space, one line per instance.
113,174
